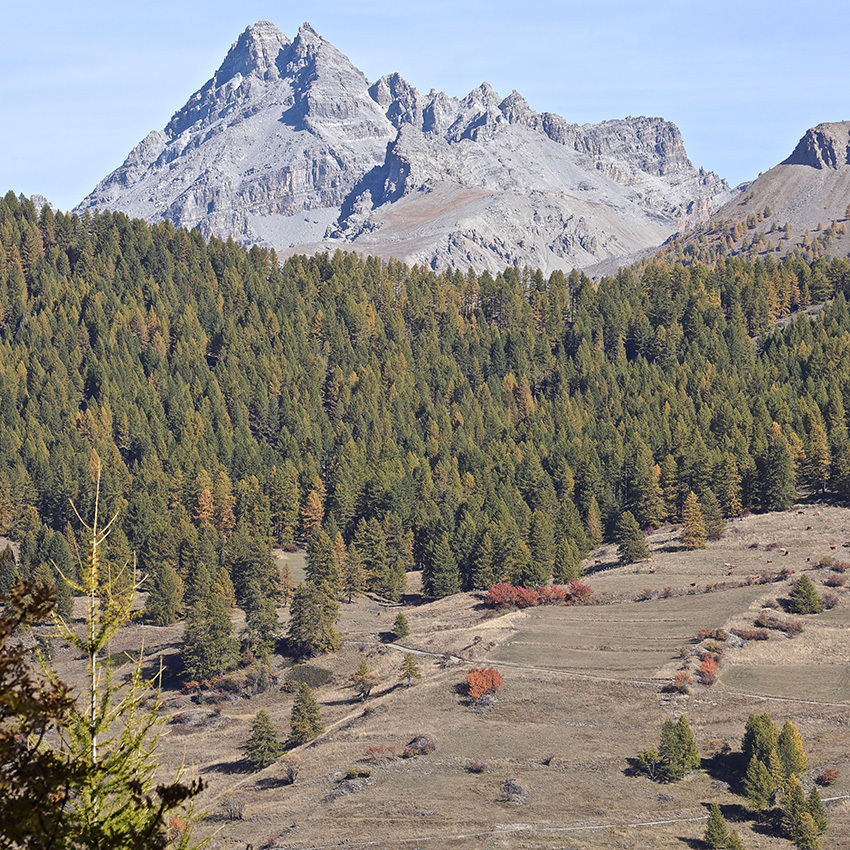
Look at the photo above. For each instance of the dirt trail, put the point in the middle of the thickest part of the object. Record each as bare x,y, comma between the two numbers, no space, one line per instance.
646,683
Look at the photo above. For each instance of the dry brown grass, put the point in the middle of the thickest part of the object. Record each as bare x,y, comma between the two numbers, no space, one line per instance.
582,695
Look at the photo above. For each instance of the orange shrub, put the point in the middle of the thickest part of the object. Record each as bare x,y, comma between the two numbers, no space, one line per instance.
708,671
483,680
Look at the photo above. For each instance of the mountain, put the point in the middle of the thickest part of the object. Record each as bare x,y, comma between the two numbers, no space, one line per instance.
802,204
289,146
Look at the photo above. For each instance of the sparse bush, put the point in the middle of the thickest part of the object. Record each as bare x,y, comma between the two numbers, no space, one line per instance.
828,601
379,754
482,681
714,634
839,566
789,627
752,634
835,581
580,593
290,766
233,806
421,745
827,776
512,792
474,766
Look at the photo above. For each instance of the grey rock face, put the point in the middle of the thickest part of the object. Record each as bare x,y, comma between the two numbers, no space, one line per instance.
824,146
288,145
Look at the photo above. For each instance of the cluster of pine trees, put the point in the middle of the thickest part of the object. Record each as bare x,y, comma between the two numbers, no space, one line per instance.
480,428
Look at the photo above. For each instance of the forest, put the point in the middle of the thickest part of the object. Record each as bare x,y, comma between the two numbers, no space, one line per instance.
482,429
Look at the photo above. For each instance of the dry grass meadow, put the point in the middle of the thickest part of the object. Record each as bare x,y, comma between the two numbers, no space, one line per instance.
583,694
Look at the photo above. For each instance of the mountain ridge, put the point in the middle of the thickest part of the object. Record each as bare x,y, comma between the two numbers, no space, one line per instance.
288,145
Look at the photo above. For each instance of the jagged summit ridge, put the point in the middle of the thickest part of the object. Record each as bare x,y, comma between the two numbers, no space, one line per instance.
825,146
288,145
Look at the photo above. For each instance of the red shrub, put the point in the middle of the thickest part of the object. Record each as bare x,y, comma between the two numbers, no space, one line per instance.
579,593
835,581
551,594
827,776
789,627
379,754
483,680
708,671
682,681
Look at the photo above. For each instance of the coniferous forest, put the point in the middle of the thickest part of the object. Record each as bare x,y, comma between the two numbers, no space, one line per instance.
479,428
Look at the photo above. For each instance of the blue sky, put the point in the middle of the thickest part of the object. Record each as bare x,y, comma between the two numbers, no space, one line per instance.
82,82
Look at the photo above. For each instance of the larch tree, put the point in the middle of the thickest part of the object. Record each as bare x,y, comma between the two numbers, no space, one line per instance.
693,532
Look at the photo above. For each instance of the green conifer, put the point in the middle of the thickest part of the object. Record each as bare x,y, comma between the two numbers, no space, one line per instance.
693,531
804,597
306,719
758,785
263,747
401,628
793,807
814,806
631,543
716,836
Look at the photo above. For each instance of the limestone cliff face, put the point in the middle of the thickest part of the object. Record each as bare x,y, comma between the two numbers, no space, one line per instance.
824,146
288,145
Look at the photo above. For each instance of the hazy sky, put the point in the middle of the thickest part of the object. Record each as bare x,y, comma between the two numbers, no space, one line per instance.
82,82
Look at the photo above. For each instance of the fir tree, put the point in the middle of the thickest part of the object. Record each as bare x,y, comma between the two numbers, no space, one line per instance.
409,669
814,806
693,533
778,488
165,601
631,544
353,574
758,785
401,628
440,575
760,738
713,515
804,598
567,562
793,807
807,833
593,523
312,616
263,747
306,719
677,751
716,836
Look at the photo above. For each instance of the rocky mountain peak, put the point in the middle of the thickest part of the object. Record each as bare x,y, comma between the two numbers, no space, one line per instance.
255,53
825,146
288,145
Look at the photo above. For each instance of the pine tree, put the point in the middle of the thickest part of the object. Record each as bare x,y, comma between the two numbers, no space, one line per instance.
401,628
760,738
567,562
804,597
306,719
593,523
791,750
409,669
807,833
734,842
713,515
353,574
778,486
693,533
322,567
312,615
793,807
208,643
716,836
631,544
758,785
263,747
678,750
440,574
165,601
814,806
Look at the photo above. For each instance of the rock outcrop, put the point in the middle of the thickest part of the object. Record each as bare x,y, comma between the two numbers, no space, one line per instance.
288,145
